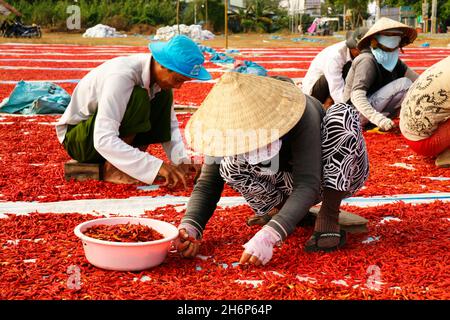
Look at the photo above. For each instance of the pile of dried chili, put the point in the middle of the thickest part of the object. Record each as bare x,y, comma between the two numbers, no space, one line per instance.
123,233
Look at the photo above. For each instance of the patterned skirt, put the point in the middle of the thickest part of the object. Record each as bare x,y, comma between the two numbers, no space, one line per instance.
345,164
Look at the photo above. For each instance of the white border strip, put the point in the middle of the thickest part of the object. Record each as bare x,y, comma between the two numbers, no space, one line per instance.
136,206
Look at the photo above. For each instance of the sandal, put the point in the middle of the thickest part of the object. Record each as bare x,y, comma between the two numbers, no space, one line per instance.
314,247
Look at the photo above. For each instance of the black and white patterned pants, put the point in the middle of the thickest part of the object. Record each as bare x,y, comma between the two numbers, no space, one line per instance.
345,164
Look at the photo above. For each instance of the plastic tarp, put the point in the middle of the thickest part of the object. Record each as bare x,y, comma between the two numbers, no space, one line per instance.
36,98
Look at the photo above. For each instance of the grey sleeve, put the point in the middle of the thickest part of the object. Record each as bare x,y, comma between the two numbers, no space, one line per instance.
307,169
365,72
204,198
362,104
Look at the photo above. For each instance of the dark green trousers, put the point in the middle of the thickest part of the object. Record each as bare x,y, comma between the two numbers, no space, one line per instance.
148,119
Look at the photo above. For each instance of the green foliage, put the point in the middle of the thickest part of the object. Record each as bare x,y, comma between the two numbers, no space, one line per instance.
261,27
444,13
266,15
123,13
262,16
443,8
248,24
358,9
216,13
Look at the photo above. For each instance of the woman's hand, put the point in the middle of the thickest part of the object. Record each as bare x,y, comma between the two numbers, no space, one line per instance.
259,250
191,168
172,176
187,243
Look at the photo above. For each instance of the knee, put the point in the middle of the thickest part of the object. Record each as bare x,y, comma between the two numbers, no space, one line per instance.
403,84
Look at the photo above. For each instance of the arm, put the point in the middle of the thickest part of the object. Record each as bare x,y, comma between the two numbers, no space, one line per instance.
365,71
336,83
307,169
407,71
205,197
116,92
360,101
411,74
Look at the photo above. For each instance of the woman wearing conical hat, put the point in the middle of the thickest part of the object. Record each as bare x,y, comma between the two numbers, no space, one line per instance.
378,80
425,114
325,78
282,152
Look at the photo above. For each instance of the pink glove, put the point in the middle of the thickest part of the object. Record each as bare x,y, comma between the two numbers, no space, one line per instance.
262,243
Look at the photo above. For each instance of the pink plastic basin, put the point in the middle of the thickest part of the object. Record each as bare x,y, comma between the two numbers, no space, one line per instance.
127,256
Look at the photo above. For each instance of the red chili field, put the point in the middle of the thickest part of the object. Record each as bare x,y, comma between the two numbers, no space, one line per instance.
404,255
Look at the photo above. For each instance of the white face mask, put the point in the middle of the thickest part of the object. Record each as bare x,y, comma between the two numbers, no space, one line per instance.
388,41
387,59
263,154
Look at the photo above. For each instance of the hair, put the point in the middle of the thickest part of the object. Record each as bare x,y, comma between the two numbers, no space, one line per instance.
354,37
283,78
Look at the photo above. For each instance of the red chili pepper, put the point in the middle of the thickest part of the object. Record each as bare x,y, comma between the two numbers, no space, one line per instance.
412,254
123,233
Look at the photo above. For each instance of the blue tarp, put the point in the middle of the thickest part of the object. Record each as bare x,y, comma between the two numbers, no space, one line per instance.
206,49
221,58
307,39
36,98
250,67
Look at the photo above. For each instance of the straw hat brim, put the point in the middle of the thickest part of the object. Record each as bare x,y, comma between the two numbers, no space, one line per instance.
242,113
384,24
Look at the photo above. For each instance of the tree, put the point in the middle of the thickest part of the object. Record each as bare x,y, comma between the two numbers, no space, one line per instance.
358,9
443,8
261,16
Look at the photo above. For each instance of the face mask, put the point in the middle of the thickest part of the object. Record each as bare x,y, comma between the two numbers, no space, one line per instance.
263,154
387,59
388,41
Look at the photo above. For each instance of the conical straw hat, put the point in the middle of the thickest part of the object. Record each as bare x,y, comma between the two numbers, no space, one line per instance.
384,24
242,113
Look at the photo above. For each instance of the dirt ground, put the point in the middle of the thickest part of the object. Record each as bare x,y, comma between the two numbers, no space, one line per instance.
234,41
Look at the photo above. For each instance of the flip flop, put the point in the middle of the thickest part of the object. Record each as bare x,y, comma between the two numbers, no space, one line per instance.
317,235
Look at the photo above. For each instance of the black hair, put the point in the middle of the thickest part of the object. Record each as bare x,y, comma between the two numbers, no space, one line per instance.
283,78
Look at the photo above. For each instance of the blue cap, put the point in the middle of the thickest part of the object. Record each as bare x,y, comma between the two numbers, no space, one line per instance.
181,55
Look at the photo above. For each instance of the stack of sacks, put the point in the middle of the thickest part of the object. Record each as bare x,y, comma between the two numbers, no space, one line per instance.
194,32
102,31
